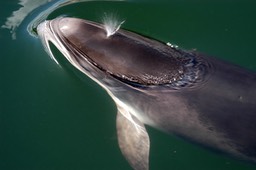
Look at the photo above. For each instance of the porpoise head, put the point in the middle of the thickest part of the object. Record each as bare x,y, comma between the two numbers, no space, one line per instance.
123,55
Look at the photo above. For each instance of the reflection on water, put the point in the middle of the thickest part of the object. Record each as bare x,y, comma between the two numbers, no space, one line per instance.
50,119
27,6
18,16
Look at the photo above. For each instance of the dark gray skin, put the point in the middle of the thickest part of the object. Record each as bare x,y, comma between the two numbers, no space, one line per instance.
193,96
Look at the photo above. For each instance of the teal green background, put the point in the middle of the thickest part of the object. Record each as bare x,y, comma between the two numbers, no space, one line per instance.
53,117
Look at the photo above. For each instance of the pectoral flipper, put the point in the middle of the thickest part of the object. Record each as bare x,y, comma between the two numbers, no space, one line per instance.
133,139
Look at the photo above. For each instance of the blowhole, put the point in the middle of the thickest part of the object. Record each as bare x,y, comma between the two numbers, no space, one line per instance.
111,23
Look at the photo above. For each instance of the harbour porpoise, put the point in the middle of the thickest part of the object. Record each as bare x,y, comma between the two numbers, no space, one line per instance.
185,93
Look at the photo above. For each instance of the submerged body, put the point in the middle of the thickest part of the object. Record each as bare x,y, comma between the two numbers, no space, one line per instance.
184,93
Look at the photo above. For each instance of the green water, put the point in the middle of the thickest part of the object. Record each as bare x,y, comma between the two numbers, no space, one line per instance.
50,118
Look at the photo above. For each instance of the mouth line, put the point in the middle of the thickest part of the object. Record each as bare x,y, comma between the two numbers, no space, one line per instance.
187,80
191,76
191,70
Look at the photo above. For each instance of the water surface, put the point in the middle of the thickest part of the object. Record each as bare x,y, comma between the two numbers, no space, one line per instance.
53,117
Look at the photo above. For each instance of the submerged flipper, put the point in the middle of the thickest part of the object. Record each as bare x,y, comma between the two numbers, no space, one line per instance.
133,139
